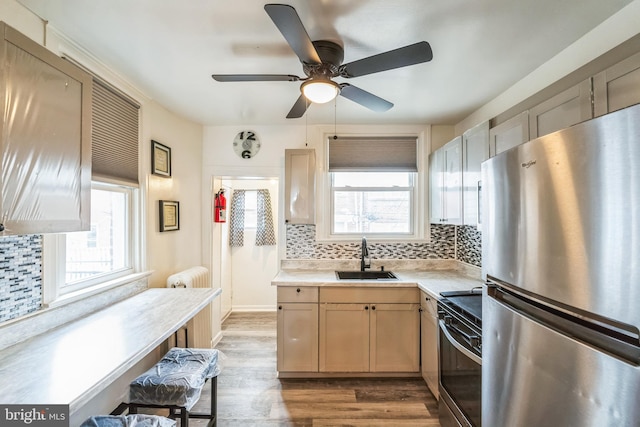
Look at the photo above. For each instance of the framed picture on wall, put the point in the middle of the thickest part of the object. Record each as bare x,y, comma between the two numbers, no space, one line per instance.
160,159
169,215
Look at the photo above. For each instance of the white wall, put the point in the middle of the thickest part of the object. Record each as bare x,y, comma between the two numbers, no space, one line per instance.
173,251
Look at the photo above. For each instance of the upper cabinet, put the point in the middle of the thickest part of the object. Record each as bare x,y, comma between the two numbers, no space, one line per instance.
617,87
512,132
45,139
445,172
300,185
475,150
561,111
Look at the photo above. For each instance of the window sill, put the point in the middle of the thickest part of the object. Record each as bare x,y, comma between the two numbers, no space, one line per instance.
95,289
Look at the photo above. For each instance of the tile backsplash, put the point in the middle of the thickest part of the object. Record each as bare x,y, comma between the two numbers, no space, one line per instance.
301,244
20,275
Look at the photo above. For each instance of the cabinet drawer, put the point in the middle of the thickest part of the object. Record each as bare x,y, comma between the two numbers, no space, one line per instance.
370,295
297,294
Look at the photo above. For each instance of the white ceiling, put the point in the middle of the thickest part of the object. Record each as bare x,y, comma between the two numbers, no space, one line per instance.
170,48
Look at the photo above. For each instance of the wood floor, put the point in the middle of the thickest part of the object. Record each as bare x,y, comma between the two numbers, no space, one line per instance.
250,394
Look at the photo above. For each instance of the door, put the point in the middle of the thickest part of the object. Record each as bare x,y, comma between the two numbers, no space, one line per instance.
561,111
344,337
618,86
253,266
509,134
429,342
298,337
475,150
539,373
445,187
561,211
452,199
393,348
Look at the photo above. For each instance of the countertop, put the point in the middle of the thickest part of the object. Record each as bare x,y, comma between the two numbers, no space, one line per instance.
74,362
431,281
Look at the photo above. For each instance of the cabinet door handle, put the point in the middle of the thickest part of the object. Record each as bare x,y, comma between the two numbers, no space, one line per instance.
427,299
279,307
373,307
298,290
366,307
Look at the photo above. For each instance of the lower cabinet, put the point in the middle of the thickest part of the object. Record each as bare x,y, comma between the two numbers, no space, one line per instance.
297,329
429,341
369,330
344,338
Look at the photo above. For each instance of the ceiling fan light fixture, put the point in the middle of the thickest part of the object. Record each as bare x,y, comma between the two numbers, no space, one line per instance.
320,91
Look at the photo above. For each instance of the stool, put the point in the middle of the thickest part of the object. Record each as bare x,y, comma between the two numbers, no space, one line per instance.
176,382
137,420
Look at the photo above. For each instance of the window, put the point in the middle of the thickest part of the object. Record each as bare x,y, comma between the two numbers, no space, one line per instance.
104,252
111,248
372,202
250,209
373,186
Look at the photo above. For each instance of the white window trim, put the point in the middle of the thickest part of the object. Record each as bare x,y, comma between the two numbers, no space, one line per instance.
54,260
420,207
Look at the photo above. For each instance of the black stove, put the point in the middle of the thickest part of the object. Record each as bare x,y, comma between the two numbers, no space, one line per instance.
466,303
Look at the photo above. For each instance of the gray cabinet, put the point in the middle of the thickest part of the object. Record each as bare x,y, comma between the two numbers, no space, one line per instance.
297,335
475,150
429,342
445,183
509,134
45,142
618,86
300,186
565,109
369,330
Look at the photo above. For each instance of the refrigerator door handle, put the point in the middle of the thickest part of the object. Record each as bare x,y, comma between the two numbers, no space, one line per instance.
459,346
597,336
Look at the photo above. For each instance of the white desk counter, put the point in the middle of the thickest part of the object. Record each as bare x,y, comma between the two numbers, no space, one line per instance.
74,362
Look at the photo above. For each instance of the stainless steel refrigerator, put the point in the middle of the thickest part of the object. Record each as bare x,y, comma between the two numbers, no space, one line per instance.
561,257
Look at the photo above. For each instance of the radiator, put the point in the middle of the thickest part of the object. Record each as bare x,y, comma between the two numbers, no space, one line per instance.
199,331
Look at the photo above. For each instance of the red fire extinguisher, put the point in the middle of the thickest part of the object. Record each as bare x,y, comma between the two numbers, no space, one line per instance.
220,207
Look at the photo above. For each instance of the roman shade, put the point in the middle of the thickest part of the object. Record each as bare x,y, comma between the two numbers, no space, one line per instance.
114,136
389,154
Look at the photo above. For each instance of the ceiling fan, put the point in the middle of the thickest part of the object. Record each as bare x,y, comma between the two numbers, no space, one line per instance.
322,61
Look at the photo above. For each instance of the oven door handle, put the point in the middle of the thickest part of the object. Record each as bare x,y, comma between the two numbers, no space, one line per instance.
459,346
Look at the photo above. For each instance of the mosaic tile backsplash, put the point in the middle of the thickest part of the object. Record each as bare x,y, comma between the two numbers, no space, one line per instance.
20,275
301,244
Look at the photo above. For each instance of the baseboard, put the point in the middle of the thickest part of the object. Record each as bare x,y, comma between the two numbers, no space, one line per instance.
216,339
249,308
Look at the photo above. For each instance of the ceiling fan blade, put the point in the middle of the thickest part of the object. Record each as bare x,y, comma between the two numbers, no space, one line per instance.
288,22
362,97
299,108
409,55
255,78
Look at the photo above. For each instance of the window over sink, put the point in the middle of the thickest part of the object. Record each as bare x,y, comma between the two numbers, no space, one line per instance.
371,203
373,186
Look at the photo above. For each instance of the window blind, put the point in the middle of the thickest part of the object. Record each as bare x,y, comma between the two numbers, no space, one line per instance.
114,135
389,154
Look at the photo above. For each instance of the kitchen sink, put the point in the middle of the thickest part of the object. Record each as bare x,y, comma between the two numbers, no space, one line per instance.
365,275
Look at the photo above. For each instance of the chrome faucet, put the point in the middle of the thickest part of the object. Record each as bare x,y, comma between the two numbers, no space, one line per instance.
365,255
